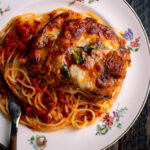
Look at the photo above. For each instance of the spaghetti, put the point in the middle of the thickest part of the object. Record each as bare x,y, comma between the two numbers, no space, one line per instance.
65,68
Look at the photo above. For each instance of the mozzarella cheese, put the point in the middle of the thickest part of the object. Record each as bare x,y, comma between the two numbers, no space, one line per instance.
54,33
81,77
111,45
87,39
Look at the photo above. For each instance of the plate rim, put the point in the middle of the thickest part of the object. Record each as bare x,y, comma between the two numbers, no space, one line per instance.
148,88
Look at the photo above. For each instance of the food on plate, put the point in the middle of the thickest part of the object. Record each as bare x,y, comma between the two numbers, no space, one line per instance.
65,68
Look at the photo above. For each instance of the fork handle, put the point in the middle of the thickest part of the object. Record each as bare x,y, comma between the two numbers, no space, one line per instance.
13,137
13,143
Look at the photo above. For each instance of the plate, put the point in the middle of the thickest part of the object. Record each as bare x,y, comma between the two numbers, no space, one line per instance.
131,99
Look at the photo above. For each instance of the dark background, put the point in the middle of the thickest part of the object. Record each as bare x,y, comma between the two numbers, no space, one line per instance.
138,137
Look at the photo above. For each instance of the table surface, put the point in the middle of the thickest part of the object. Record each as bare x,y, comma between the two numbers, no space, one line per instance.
138,137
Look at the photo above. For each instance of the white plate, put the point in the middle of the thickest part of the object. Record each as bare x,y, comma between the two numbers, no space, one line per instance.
132,96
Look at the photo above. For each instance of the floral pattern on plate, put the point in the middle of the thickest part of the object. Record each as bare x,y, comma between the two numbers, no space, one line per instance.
38,142
132,44
109,120
2,11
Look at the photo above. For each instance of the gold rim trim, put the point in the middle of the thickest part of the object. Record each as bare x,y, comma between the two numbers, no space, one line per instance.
147,92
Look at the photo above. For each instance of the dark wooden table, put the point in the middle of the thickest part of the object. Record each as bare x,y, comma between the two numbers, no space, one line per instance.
138,137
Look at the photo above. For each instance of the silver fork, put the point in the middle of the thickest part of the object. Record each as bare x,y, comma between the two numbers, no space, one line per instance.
15,112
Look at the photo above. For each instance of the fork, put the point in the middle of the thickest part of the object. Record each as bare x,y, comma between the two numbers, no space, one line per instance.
15,112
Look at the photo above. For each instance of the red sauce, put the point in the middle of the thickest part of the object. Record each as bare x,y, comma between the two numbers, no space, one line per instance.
31,111
23,31
11,43
36,85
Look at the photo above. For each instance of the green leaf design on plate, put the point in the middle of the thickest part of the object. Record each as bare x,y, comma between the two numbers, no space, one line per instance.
90,1
117,120
121,34
31,142
129,48
97,133
136,49
71,3
109,127
38,142
119,125
104,127
125,108
8,8
32,138
104,130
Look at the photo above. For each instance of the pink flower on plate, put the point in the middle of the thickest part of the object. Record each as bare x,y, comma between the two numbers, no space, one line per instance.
108,120
134,44
2,12
137,39
41,141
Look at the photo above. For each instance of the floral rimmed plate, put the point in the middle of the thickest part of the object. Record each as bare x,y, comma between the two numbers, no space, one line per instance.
131,99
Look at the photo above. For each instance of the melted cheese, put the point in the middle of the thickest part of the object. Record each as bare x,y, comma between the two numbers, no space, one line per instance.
111,45
87,39
57,64
54,33
81,77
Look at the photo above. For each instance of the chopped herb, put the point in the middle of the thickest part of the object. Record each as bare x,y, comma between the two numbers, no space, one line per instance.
65,72
88,48
79,57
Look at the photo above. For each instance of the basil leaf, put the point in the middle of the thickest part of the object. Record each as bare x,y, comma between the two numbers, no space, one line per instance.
78,57
65,72
88,48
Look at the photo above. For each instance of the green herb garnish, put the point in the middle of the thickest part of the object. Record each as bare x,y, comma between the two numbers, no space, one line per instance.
65,72
88,48
79,57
